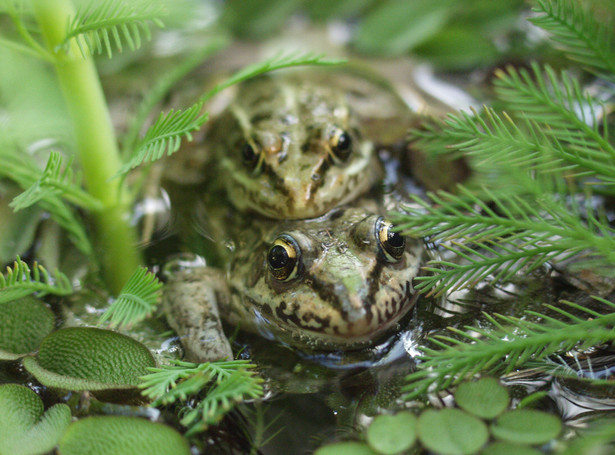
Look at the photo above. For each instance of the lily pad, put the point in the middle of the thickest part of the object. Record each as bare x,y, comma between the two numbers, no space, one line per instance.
25,427
451,431
505,448
391,434
85,358
346,448
23,325
110,435
485,398
526,426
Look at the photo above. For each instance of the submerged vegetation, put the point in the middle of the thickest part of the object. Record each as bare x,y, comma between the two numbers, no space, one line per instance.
540,196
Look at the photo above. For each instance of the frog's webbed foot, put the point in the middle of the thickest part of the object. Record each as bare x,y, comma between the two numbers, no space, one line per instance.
191,306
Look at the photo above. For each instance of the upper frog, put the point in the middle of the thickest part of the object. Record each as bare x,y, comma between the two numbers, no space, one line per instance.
290,146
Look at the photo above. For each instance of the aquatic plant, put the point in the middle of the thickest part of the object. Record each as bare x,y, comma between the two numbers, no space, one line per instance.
542,161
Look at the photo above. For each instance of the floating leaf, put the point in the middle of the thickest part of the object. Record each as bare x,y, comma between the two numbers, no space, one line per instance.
485,398
110,435
505,448
346,448
23,325
451,432
85,358
391,434
526,426
25,429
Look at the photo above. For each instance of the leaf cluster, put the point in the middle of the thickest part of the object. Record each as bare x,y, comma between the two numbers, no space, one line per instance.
510,344
136,301
216,387
20,280
537,165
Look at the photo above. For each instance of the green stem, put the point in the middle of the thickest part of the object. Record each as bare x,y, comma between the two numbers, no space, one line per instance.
97,148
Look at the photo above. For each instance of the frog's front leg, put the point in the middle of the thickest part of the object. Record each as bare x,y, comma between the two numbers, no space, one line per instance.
190,304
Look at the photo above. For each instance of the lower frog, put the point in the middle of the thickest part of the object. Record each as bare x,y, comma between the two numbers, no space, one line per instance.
336,282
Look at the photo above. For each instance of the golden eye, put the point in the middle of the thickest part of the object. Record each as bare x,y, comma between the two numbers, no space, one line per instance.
392,244
283,258
250,155
341,144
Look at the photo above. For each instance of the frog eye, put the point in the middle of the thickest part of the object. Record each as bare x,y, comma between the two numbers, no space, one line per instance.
341,144
283,258
392,244
250,155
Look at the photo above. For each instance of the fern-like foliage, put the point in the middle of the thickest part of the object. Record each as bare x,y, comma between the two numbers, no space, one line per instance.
57,180
510,345
578,34
500,239
216,386
137,300
22,169
563,109
20,280
165,135
497,141
101,26
279,61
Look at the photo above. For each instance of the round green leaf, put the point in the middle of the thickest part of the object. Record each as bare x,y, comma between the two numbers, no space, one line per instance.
451,432
25,429
391,434
505,448
23,325
110,435
526,426
484,398
346,448
85,358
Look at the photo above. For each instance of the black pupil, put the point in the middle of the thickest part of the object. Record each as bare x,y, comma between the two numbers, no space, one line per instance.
343,142
248,152
278,257
394,239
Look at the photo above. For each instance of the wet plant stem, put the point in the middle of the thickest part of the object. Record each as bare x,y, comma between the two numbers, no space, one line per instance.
97,148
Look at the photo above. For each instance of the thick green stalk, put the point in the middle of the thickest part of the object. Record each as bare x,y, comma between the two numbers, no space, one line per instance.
97,148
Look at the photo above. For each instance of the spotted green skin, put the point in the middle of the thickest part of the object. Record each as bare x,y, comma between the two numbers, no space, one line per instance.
290,120
345,293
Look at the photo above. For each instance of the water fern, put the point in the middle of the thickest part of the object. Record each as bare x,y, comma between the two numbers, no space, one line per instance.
223,384
511,344
57,179
100,26
136,301
165,135
21,280
578,34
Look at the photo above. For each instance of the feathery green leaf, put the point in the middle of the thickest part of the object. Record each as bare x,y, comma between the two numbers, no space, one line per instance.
227,382
57,182
577,32
279,61
508,347
20,280
137,300
165,135
22,169
564,111
100,26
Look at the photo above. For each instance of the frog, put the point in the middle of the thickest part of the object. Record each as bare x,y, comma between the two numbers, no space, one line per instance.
337,282
291,144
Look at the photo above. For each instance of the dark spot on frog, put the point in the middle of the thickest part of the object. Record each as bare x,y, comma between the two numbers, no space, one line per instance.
336,214
294,319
